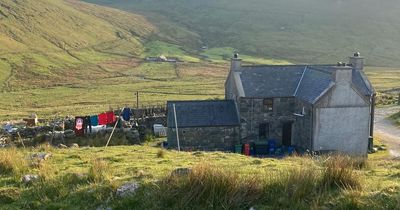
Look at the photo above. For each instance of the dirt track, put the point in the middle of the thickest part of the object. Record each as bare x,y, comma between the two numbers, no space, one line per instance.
390,133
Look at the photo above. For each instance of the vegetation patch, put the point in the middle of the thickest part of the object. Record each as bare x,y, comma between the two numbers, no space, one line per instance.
396,118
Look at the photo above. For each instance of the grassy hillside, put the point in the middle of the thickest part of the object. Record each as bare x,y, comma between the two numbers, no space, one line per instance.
301,31
71,58
87,178
42,42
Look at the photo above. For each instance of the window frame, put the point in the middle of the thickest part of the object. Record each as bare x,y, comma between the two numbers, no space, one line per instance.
268,104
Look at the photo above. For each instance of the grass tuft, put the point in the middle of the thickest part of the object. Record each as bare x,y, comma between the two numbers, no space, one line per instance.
12,161
339,172
208,187
161,153
99,171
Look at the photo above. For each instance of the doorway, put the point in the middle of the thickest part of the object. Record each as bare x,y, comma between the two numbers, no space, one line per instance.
287,134
263,131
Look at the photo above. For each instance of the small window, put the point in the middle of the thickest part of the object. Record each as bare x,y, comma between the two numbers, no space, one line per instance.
268,104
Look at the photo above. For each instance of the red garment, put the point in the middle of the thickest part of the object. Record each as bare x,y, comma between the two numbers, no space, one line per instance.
111,117
103,119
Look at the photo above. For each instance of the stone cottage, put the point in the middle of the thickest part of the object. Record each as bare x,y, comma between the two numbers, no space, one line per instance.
311,107
203,125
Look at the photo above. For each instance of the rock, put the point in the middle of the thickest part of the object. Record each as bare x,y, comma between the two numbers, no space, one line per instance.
252,208
69,134
42,156
74,145
127,189
27,179
103,208
181,172
62,146
382,148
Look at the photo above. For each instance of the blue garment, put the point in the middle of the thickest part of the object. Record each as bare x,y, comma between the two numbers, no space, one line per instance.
126,114
94,120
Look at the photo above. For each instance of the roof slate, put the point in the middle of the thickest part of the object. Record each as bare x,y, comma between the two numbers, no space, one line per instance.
306,82
313,84
203,113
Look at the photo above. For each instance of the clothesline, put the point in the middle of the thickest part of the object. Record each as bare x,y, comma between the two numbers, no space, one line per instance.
84,124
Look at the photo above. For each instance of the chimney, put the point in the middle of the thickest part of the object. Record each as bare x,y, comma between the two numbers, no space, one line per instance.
236,62
342,74
357,62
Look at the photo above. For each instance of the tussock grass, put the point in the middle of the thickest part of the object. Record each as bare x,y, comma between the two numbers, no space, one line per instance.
12,161
161,153
99,171
208,187
339,172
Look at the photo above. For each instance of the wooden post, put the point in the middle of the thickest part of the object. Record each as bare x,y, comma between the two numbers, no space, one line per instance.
22,141
176,128
398,101
137,99
54,129
115,126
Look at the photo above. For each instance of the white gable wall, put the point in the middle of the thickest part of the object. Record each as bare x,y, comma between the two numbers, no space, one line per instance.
341,121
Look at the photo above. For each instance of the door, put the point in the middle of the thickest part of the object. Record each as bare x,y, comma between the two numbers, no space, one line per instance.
263,131
287,134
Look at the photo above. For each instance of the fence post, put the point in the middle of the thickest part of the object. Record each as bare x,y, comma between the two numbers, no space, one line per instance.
398,100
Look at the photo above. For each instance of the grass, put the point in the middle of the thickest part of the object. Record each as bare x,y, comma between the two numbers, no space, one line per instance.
395,118
300,32
86,178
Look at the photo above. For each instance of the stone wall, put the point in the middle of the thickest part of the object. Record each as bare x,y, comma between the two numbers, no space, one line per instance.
205,138
253,113
302,128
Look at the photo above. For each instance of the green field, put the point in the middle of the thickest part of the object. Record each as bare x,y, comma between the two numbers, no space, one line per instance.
300,31
86,178
92,59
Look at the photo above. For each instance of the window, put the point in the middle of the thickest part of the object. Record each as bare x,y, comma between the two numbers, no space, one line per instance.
268,104
263,130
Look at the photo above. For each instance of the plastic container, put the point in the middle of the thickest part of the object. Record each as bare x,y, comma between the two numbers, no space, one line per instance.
238,149
247,149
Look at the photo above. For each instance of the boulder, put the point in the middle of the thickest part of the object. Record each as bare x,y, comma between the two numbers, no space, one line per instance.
62,146
42,156
27,179
74,145
181,172
127,189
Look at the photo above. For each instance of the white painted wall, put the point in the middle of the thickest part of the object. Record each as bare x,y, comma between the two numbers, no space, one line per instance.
342,129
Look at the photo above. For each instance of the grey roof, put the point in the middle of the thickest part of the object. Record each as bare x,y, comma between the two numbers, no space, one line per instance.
306,82
210,113
313,84
270,81
362,83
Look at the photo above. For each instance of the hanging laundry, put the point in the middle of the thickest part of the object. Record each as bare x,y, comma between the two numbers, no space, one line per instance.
103,119
110,117
88,124
126,114
79,126
94,120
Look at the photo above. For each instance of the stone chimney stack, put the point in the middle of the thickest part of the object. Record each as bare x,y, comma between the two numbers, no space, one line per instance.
342,74
236,62
357,62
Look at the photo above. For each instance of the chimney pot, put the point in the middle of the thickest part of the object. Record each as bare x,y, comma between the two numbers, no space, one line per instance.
236,62
357,62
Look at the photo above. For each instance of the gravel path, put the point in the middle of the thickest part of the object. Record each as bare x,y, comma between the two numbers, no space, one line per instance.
390,133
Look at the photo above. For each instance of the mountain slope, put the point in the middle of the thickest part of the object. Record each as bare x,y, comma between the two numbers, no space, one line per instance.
303,31
46,40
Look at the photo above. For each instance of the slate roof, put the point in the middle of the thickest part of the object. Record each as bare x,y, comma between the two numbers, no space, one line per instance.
270,81
306,82
210,113
313,84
